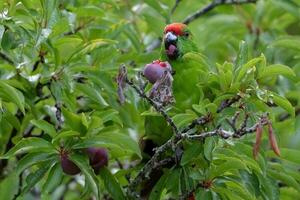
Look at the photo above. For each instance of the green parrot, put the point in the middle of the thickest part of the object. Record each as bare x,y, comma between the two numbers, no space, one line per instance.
178,49
179,54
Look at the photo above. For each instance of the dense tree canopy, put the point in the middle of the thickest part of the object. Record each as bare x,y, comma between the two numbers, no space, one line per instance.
75,106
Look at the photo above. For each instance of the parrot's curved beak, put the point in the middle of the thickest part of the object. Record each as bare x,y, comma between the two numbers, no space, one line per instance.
170,41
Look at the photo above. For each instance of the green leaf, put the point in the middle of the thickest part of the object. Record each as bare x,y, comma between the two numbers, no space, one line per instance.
225,153
284,103
32,144
89,11
227,166
234,190
65,134
278,69
90,46
90,178
209,146
10,94
92,93
288,193
12,119
183,119
240,190
246,67
73,121
45,126
192,152
159,186
34,177
289,180
9,186
111,141
54,178
111,184
288,154
289,43
242,56
110,114
32,159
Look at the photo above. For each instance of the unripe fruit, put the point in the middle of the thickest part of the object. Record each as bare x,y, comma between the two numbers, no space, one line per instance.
67,165
155,70
98,158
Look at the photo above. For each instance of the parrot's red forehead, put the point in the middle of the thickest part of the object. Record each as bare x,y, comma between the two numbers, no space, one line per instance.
177,28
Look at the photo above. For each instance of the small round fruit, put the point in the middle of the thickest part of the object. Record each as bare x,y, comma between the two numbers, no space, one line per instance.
155,70
98,158
67,165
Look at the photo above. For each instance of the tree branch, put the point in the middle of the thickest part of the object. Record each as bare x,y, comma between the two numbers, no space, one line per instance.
211,6
154,161
199,121
175,6
225,134
180,135
157,107
228,102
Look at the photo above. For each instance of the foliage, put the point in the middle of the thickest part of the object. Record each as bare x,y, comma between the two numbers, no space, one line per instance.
58,63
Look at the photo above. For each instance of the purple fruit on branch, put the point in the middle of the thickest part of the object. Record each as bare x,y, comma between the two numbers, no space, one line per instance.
155,70
68,166
98,158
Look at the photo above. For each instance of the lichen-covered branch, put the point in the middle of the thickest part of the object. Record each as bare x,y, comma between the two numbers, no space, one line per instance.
156,160
225,134
156,106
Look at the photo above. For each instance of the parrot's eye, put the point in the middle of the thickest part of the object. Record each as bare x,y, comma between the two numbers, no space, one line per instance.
186,34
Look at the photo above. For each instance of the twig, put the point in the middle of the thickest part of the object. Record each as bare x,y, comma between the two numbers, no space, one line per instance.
157,107
228,134
164,162
149,167
211,6
154,161
205,119
199,121
175,6
232,122
244,124
228,102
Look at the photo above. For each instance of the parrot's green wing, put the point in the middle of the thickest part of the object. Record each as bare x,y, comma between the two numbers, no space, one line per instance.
191,70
